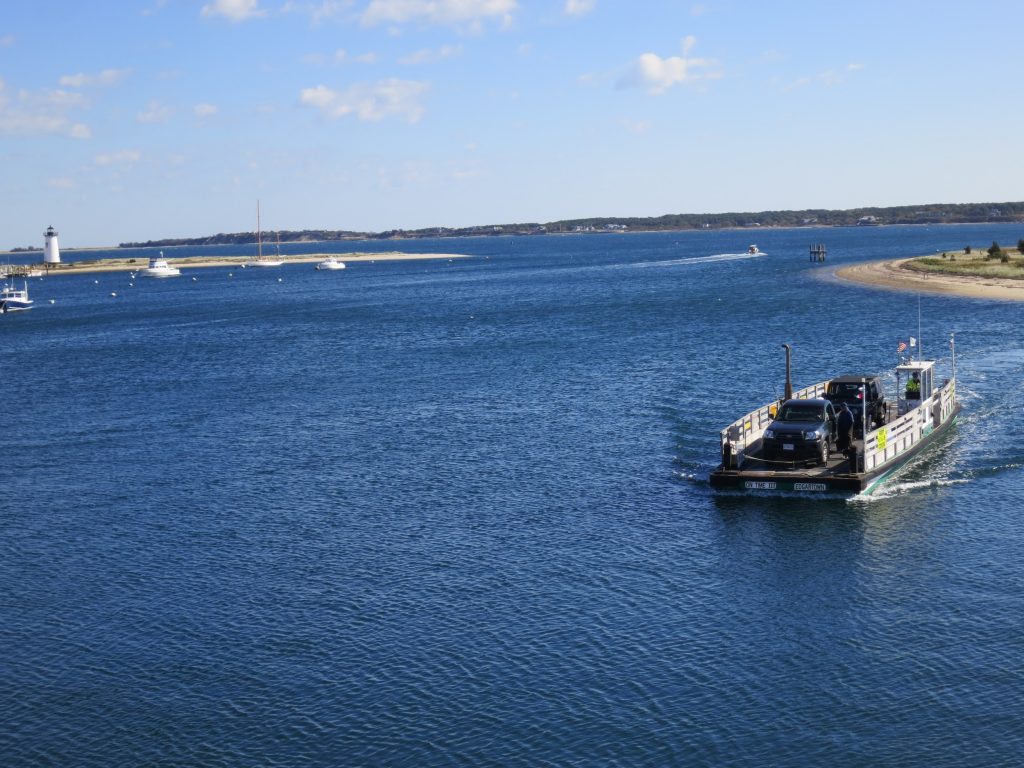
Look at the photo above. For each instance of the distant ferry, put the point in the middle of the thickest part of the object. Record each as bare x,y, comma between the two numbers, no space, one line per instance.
13,299
158,267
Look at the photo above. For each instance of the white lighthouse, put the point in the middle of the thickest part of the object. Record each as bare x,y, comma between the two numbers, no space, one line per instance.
51,253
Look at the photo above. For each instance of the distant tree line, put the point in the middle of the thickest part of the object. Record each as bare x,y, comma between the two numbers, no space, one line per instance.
937,213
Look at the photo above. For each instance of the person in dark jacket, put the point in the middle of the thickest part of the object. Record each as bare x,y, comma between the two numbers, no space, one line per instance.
844,428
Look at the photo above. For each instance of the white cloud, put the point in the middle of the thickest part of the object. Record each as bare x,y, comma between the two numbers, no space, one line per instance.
234,10
104,78
154,113
636,126
656,74
427,55
370,101
437,11
319,12
157,7
829,78
204,110
341,55
328,9
124,158
41,114
578,7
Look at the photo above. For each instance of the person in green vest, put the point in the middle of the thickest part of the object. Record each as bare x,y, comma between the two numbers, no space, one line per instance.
914,387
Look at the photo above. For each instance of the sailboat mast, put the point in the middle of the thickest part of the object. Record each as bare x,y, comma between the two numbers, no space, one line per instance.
259,238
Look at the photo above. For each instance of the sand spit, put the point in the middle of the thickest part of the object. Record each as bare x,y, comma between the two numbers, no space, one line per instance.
190,262
892,274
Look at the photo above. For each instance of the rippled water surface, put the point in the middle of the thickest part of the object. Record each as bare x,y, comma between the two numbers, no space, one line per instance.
457,513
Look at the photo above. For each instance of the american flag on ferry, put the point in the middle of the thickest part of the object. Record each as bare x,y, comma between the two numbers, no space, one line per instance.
902,346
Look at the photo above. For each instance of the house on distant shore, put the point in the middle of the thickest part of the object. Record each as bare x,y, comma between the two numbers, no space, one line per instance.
868,221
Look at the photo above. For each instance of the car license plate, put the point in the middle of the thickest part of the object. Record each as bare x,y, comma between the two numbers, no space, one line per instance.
787,446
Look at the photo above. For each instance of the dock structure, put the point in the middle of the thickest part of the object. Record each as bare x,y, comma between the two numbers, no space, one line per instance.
818,252
19,271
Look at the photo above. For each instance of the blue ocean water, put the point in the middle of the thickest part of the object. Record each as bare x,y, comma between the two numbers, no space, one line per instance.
456,512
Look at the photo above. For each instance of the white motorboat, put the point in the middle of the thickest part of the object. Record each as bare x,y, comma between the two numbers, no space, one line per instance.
331,263
14,299
753,250
261,260
158,267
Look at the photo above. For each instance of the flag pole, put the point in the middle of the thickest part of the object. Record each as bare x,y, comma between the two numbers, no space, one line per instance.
921,354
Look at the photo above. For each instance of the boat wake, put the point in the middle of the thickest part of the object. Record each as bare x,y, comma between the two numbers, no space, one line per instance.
718,257
896,488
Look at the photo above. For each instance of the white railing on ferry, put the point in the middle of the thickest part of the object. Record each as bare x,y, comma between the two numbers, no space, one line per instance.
890,440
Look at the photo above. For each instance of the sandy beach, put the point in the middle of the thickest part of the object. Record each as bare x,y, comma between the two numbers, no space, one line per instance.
191,262
891,274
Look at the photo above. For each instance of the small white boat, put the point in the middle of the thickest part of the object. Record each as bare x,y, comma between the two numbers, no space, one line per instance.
331,263
158,267
13,299
753,250
260,260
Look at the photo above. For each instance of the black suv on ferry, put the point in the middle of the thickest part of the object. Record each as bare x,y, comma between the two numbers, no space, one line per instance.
849,390
802,430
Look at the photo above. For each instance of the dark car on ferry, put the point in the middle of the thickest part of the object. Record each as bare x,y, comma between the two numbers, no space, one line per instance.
851,390
802,431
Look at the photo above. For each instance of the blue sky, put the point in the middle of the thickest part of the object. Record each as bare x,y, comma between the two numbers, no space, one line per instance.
125,120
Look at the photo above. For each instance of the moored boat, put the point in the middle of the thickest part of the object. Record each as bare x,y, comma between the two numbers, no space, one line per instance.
331,263
261,260
158,267
768,450
14,299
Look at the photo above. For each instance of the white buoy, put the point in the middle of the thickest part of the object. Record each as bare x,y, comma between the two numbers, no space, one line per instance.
114,294
279,280
96,282
193,279
51,250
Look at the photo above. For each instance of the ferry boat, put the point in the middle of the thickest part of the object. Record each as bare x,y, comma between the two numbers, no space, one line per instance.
759,455
330,264
14,299
158,267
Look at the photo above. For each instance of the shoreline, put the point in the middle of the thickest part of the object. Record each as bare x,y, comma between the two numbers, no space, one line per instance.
891,275
513,233
202,262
